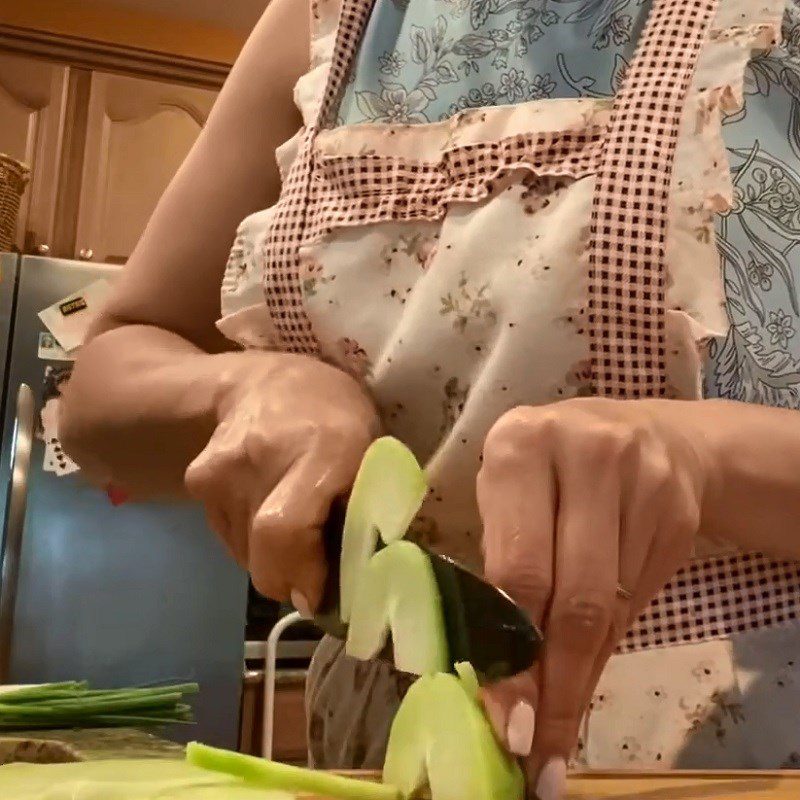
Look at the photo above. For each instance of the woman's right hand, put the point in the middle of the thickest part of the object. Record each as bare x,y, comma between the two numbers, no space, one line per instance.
291,432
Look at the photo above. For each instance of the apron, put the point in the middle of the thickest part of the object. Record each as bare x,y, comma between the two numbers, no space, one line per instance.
516,255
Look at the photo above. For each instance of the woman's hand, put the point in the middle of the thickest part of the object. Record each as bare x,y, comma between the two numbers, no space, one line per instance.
589,507
290,435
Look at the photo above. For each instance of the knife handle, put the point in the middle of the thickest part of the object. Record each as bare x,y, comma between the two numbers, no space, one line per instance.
332,533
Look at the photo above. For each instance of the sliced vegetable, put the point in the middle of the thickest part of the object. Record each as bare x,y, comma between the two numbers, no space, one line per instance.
66,705
398,593
273,775
441,736
387,494
469,678
151,779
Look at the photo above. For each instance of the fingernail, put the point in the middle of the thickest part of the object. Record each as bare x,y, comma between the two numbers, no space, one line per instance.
552,780
116,495
497,716
519,732
301,604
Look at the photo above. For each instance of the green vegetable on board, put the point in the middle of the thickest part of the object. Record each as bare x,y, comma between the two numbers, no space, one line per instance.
130,779
386,496
441,737
274,775
398,592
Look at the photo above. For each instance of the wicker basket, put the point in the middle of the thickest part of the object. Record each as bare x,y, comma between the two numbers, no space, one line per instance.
13,180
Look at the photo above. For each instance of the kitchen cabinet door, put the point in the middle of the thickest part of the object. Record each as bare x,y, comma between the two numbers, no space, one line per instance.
33,98
138,133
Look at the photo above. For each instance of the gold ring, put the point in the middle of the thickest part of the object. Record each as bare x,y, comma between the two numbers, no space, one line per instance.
623,592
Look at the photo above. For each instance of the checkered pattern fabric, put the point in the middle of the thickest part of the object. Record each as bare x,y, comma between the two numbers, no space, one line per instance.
632,160
629,218
282,281
714,598
357,190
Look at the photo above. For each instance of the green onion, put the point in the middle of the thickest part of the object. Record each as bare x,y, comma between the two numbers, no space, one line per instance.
274,775
47,690
74,704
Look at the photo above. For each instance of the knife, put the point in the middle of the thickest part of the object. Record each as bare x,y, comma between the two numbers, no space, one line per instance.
484,626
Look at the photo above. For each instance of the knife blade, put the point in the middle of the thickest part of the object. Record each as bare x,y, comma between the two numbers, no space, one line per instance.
483,624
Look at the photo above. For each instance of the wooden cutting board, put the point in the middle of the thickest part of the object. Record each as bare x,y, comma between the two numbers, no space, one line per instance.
686,786
678,785
779,785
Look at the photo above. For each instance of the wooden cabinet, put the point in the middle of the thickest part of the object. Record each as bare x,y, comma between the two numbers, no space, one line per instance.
137,134
33,102
102,148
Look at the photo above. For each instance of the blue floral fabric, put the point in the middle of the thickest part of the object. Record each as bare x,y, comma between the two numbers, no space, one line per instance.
425,60
759,360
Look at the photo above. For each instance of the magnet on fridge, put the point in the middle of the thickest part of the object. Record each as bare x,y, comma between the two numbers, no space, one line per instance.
55,459
68,319
50,350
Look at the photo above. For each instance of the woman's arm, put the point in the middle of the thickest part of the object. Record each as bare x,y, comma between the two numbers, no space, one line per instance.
752,495
590,506
139,405
265,441
142,403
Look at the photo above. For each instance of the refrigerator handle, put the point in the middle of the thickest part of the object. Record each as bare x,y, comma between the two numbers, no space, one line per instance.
21,448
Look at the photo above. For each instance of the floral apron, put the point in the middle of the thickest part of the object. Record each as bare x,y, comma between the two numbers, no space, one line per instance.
521,255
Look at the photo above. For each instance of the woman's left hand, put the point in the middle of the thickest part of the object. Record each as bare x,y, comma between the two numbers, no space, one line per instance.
589,507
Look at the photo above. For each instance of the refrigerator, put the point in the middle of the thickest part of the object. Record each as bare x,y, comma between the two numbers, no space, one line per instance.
128,595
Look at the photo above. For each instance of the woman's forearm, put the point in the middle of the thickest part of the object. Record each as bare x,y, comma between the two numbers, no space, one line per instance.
753,492
141,404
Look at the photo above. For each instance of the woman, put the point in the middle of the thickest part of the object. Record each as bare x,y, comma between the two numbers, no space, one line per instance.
495,239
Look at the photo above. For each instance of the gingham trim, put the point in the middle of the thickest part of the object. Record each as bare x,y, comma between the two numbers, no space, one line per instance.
717,597
357,190
282,283
352,22
629,218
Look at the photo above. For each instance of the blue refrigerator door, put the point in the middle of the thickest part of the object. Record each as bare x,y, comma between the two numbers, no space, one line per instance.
131,595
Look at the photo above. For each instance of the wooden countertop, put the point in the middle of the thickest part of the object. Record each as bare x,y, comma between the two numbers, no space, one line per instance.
685,786
677,785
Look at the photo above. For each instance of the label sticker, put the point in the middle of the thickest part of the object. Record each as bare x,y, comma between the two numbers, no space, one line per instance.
68,319
73,306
